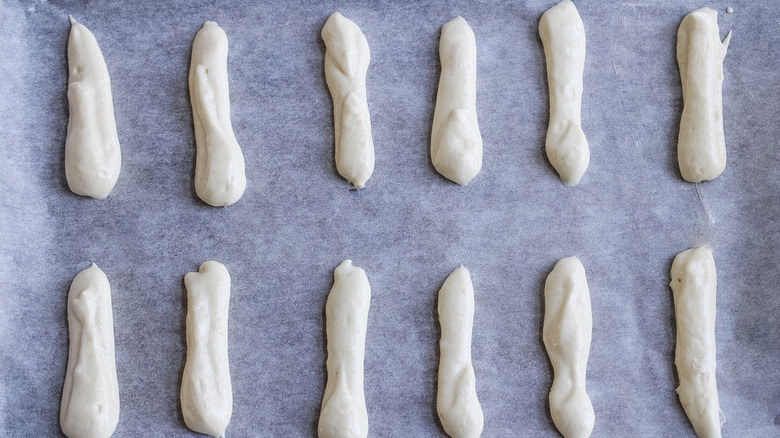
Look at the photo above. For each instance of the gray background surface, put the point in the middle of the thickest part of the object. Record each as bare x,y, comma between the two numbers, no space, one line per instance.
409,228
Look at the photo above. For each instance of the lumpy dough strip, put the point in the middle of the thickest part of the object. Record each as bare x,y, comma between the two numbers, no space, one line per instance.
701,146
563,37
90,396
220,177
92,155
694,281
457,403
456,144
346,62
567,334
343,413
206,392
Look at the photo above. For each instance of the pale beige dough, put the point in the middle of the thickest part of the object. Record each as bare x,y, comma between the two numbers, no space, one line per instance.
457,402
456,143
694,281
563,37
206,391
701,145
220,178
346,62
92,154
90,396
567,334
343,413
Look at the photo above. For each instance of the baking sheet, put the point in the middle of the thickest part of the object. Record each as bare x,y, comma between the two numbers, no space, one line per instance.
409,228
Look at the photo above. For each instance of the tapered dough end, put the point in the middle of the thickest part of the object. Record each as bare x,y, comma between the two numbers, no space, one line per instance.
569,154
93,274
458,154
341,419
459,275
457,24
470,425
345,270
457,39
208,268
568,265
456,287
556,14
335,19
702,166
694,261
336,24
576,417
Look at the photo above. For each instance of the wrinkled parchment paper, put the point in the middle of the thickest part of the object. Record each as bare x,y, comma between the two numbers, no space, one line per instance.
408,229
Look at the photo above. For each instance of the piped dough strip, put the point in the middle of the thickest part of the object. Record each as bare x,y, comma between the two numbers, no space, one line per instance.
90,396
457,402
220,177
206,392
567,334
346,62
456,143
694,281
701,146
563,37
343,413
92,154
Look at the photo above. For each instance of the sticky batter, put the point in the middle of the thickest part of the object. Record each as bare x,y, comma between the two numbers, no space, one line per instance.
694,282
343,413
220,177
90,396
563,37
567,333
457,403
701,146
92,155
346,62
456,143
206,392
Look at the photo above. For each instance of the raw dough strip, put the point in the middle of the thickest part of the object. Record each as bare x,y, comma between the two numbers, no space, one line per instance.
346,62
343,413
90,396
694,281
567,333
456,144
206,392
457,403
220,177
701,146
92,155
563,37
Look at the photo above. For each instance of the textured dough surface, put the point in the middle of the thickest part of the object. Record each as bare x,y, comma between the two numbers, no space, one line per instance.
346,62
694,281
457,402
90,396
220,178
563,37
567,334
456,143
701,146
343,413
206,392
92,155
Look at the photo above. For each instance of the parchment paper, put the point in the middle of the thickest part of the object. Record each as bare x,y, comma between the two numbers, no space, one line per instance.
630,215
